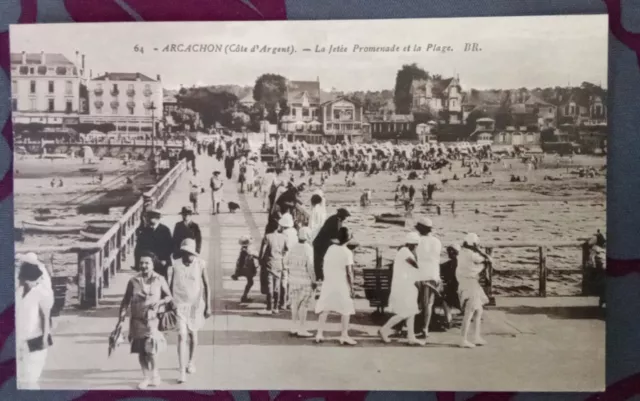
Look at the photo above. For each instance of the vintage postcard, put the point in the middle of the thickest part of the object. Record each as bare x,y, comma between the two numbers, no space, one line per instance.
334,205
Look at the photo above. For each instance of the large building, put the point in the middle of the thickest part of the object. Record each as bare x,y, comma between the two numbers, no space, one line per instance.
45,88
343,120
128,100
440,97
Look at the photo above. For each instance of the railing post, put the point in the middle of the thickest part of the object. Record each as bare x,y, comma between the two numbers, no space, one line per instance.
542,268
489,277
586,277
87,279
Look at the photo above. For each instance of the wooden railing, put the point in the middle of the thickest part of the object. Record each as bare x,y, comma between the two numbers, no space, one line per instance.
377,286
100,261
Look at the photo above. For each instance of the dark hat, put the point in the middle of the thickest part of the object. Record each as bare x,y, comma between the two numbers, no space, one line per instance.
29,272
342,212
186,210
216,172
153,212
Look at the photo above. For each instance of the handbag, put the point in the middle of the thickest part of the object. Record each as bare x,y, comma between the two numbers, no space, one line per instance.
168,319
38,343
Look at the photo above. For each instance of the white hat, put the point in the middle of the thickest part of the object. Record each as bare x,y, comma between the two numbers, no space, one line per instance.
471,239
30,257
456,247
189,245
425,221
412,238
286,221
304,234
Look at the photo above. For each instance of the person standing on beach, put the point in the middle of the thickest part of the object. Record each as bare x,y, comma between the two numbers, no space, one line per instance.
428,256
216,185
403,299
471,262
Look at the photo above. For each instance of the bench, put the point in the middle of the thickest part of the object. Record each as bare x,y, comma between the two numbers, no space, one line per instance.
59,285
377,287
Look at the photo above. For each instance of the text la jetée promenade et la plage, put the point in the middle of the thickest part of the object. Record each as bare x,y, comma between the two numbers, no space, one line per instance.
291,49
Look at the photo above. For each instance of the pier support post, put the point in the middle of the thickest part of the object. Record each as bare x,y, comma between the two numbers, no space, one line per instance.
87,279
542,268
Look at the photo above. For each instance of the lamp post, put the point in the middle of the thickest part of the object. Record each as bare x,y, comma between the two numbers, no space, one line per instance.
152,107
278,130
264,126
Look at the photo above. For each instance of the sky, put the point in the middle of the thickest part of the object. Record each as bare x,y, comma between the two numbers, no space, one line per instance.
515,51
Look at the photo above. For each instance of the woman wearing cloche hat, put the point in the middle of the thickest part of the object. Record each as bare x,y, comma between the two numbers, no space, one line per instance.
471,262
189,283
403,299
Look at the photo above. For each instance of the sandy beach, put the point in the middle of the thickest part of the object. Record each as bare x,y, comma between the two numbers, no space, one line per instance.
538,210
37,200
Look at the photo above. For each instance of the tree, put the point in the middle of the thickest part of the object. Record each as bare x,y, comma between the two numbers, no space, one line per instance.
271,90
209,104
404,78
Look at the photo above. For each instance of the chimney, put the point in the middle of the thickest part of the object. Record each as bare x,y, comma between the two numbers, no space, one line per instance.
82,62
90,74
43,59
158,77
77,60
24,58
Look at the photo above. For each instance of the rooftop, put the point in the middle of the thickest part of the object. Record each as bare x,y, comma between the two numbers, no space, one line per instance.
123,76
296,90
36,58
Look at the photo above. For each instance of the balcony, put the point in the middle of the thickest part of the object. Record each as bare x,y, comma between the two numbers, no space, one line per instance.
131,92
147,92
115,92
98,91
131,104
148,104
24,70
115,104
98,104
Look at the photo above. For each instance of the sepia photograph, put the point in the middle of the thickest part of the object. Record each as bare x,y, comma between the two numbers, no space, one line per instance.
413,204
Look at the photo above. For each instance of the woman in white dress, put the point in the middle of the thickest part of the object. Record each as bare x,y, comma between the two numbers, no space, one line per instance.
471,262
318,215
34,300
403,299
336,294
190,288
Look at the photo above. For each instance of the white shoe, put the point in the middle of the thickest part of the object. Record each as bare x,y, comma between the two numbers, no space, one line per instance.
183,377
304,334
479,341
466,344
144,384
191,368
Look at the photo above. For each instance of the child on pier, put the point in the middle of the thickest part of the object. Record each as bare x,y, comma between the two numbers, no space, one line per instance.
246,266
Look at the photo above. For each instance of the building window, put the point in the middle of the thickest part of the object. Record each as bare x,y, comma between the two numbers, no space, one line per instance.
31,70
51,87
14,104
32,86
51,105
69,106
130,111
32,105
68,89
99,111
305,112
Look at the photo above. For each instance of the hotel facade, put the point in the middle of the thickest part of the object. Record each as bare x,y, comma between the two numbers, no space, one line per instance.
127,100
45,88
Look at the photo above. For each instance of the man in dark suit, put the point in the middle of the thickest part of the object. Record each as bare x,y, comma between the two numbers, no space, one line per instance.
184,229
323,240
155,237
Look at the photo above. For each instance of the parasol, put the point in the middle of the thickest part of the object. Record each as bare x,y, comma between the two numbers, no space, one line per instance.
116,337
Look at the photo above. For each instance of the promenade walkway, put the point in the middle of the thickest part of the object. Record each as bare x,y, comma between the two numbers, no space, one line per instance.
534,343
